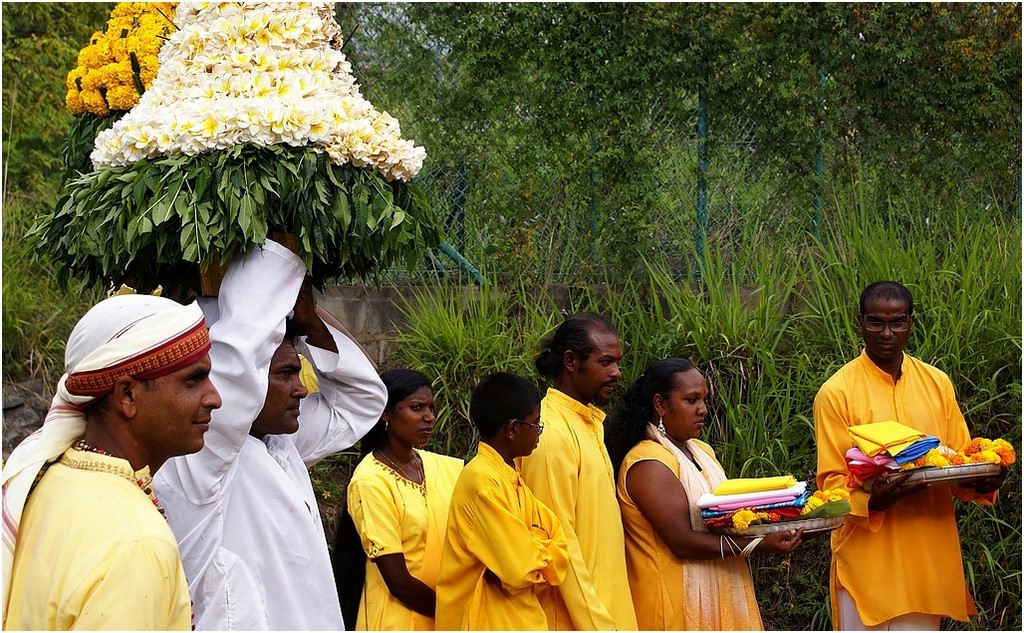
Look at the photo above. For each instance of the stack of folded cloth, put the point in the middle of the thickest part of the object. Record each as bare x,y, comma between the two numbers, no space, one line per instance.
884,446
773,498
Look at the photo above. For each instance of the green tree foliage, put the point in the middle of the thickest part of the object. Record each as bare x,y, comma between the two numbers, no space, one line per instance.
40,46
579,119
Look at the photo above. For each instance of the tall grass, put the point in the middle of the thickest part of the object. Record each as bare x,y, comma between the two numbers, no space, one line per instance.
768,327
458,336
37,315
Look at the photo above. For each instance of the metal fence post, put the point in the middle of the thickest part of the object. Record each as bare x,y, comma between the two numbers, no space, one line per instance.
459,207
819,164
702,171
592,206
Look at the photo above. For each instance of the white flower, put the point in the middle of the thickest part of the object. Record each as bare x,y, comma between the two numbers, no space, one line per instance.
259,73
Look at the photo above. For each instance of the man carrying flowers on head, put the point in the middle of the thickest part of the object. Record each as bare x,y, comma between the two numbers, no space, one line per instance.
243,509
896,562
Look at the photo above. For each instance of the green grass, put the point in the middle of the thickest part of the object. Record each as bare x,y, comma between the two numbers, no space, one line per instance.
37,315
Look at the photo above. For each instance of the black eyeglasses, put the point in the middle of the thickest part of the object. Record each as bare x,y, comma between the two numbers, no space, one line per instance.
539,427
896,327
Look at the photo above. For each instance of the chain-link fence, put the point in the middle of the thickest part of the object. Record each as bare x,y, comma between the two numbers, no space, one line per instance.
516,200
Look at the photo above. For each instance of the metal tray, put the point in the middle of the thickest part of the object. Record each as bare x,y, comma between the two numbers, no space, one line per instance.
823,524
951,475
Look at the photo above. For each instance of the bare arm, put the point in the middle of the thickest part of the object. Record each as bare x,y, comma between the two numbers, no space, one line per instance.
410,591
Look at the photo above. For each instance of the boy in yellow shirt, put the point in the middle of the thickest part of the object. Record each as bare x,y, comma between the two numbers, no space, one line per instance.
505,550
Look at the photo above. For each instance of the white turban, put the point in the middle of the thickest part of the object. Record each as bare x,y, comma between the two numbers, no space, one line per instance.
143,336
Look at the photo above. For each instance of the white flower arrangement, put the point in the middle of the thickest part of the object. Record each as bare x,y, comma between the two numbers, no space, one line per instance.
260,73
253,125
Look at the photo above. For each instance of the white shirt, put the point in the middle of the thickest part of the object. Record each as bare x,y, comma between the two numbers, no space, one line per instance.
243,510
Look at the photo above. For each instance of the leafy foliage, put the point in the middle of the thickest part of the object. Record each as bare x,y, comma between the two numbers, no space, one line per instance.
152,222
40,43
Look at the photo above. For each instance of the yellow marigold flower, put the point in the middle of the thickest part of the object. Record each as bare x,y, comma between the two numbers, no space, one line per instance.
742,519
812,504
73,101
935,459
95,103
986,456
133,28
837,494
122,97
1005,451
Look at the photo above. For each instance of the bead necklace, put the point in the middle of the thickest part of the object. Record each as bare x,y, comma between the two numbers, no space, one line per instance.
416,477
146,487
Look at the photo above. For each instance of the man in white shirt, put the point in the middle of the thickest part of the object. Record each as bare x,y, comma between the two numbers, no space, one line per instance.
243,509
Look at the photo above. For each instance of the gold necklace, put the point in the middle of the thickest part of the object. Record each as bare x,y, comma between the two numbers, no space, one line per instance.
416,477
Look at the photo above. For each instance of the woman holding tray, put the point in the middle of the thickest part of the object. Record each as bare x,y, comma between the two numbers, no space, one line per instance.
661,468
388,545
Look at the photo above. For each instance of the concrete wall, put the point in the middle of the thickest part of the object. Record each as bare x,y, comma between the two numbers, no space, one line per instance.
371,314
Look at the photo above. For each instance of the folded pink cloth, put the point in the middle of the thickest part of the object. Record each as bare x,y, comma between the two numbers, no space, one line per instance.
882,459
736,505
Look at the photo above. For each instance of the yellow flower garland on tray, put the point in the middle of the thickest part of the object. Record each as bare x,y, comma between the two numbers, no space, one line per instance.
120,62
821,497
978,451
744,518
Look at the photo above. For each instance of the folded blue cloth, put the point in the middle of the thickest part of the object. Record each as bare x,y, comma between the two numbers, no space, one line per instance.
799,502
915,450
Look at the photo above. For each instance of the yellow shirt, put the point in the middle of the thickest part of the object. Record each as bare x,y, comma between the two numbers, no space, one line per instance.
94,553
671,594
395,516
495,523
906,559
571,473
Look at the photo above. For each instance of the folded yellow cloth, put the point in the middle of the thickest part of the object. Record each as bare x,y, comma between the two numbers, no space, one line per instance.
308,375
754,484
889,436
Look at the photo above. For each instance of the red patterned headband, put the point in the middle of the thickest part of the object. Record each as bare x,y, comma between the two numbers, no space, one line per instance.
181,351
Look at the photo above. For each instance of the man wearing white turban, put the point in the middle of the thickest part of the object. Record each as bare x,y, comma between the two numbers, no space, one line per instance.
85,545
243,508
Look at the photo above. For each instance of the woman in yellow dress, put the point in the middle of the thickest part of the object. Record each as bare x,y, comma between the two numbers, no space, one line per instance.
681,576
388,545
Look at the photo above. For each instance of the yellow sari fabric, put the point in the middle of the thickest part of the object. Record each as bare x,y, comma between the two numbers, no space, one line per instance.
395,516
674,594
754,484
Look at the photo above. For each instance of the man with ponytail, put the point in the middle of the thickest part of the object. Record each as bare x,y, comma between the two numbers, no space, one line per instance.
570,472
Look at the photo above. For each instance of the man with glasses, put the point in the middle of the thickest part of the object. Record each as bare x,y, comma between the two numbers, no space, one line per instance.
505,550
896,562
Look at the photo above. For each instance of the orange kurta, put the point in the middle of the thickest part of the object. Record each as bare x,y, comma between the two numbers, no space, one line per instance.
906,559
671,594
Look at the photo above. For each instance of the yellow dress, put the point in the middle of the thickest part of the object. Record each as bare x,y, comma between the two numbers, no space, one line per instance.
906,559
571,473
497,524
395,516
94,554
674,594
